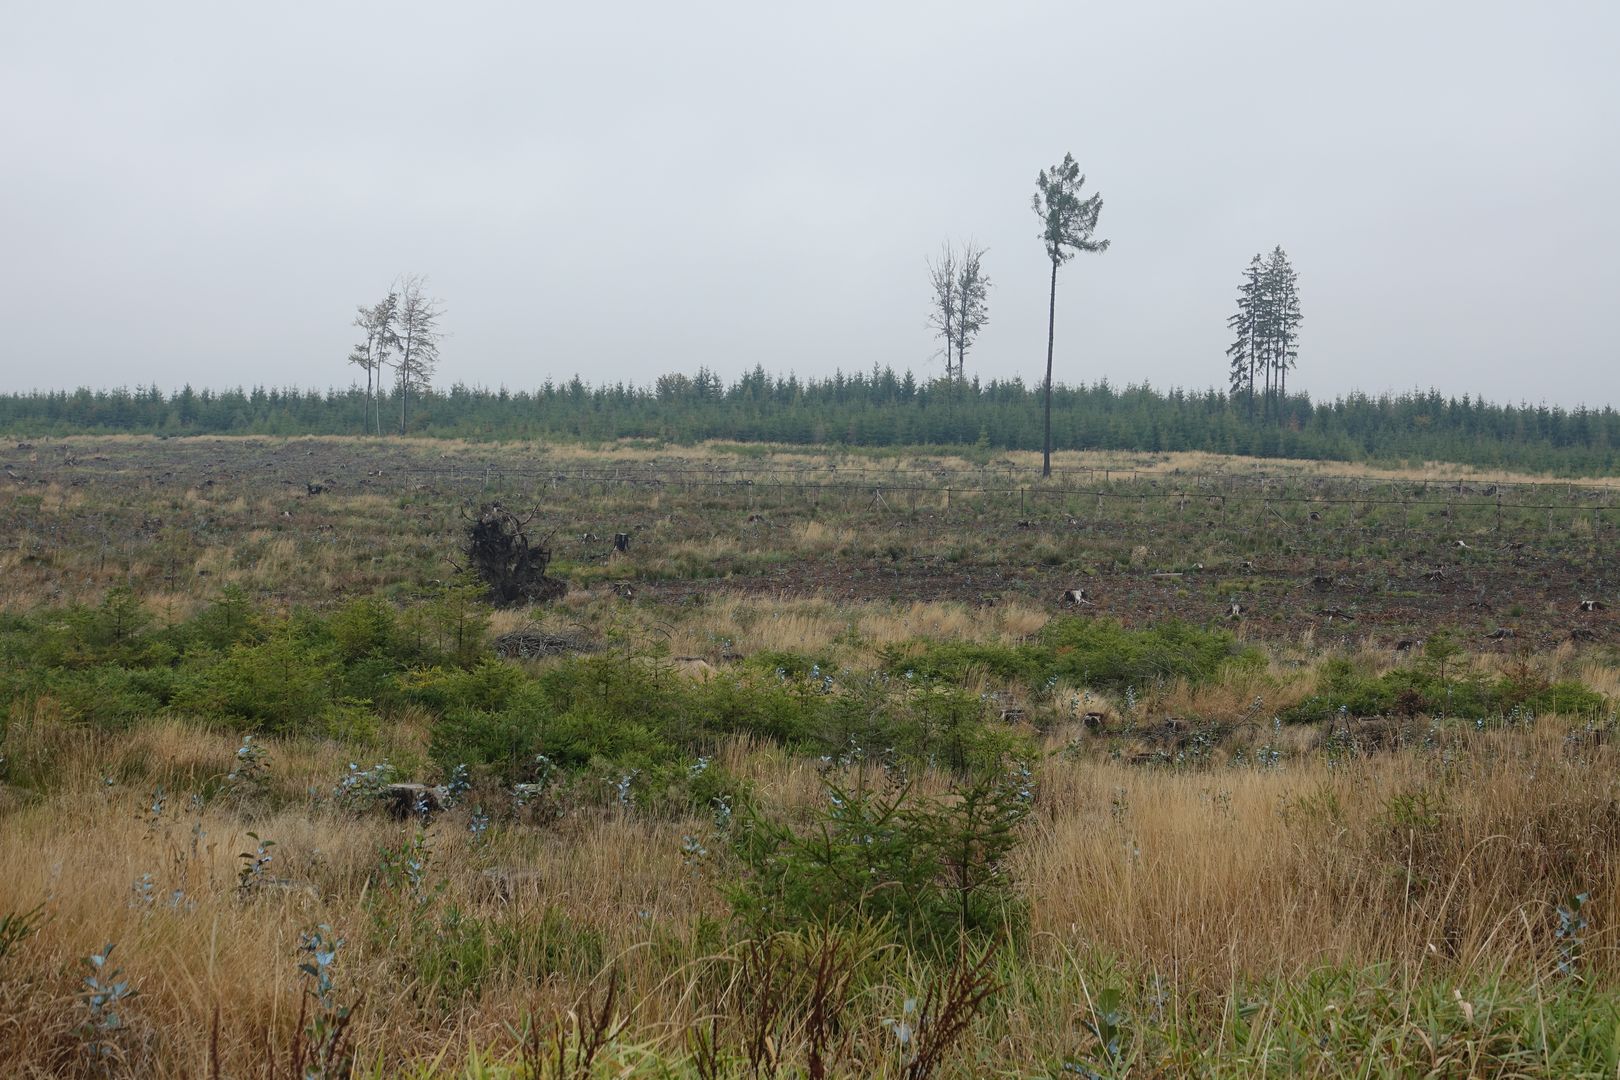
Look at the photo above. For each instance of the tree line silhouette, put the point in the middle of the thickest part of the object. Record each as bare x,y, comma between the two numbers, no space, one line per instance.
879,408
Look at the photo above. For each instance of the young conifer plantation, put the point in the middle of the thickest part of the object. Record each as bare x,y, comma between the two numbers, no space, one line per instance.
881,409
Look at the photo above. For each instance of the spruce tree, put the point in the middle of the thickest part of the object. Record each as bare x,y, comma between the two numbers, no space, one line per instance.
1243,355
1265,331
1282,299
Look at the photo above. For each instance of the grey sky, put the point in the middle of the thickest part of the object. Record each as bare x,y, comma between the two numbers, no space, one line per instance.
203,191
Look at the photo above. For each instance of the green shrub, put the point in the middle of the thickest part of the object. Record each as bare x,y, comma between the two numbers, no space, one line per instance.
1105,654
1422,690
282,685
1091,652
1568,698
788,665
364,627
110,696
930,872
490,684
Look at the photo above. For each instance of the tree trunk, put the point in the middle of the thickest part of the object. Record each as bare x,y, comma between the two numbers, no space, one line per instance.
1270,376
1051,328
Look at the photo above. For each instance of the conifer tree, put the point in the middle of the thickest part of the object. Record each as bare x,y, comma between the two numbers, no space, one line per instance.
1068,224
1282,298
1265,331
1243,355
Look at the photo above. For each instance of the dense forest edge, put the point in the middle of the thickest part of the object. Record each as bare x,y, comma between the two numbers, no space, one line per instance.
878,409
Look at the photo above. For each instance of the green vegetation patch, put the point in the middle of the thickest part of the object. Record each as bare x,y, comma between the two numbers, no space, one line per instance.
1100,653
1427,689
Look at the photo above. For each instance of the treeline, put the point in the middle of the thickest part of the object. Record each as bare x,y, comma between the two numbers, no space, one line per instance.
878,409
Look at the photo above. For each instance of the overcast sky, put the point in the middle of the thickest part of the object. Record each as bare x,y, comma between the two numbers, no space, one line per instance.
203,192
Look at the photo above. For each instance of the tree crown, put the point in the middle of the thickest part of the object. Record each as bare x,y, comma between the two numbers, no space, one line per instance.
1069,220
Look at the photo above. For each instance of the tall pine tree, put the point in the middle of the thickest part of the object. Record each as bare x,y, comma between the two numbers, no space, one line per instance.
1068,223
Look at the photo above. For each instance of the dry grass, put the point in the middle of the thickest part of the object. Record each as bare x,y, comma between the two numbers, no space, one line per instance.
1442,862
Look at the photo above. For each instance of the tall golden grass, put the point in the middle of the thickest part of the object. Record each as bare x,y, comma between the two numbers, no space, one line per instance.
1446,861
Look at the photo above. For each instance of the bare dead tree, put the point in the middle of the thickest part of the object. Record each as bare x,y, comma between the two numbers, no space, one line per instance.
418,339
943,277
380,326
972,302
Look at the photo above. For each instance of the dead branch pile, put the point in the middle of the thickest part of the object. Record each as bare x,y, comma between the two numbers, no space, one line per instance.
529,643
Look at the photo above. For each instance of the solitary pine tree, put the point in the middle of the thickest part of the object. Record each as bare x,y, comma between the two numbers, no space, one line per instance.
1068,222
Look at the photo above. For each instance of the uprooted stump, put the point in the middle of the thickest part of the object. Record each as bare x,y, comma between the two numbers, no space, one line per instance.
511,566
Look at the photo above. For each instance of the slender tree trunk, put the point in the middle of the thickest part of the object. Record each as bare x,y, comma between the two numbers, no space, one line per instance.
1270,377
1051,329
404,389
1282,385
